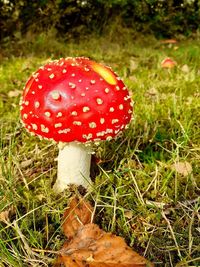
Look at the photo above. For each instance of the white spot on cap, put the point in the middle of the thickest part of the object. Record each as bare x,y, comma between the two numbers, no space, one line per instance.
26,103
107,90
101,133
117,88
130,111
35,75
99,101
87,137
74,113
33,92
44,129
86,109
83,94
72,85
111,109
36,79
108,138
47,114
57,125
37,104
92,81
51,76
55,95
80,81
86,69
92,125
77,123
40,86
34,126
109,130
59,114
102,120
73,75
65,131
118,78
115,121
124,88
131,104
49,69
121,106
127,97
86,88
25,116
64,71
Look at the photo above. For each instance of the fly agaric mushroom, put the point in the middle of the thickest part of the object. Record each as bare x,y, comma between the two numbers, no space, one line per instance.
75,101
168,63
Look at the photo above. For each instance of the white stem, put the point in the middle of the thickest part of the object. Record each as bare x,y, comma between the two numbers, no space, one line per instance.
73,166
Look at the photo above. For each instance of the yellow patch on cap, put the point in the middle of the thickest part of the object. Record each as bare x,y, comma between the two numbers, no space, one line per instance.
105,73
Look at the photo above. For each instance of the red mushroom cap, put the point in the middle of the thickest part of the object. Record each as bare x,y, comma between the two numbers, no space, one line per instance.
75,99
168,63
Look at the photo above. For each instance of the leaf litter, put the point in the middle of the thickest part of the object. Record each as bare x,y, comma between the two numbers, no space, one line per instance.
89,246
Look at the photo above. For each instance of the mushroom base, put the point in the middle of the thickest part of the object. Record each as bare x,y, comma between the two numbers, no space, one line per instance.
74,162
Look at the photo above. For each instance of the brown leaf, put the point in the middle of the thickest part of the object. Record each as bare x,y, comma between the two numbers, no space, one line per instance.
79,213
5,215
92,247
169,41
185,68
183,168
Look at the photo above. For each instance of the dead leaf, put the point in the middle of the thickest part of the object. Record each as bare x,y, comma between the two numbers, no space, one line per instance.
152,93
92,247
133,65
168,41
79,213
14,93
26,163
185,68
5,215
184,168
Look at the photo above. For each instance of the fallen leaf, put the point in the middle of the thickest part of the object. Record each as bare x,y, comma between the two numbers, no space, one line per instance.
79,213
185,68
169,41
5,215
152,93
184,168
14,93
133,65
26,163
93,247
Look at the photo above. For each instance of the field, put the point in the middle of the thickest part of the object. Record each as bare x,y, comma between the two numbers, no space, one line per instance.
147,182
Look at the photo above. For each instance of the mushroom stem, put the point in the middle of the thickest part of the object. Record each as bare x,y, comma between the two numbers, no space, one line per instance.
73,166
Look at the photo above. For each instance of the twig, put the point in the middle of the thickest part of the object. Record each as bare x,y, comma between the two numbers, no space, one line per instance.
138,193
45,251
172,233
26,246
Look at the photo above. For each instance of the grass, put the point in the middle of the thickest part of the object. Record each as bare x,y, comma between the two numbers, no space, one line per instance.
137,193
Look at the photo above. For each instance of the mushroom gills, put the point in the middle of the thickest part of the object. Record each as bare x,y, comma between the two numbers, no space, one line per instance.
74,162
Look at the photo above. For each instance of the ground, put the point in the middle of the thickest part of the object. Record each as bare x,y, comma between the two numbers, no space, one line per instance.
147,185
